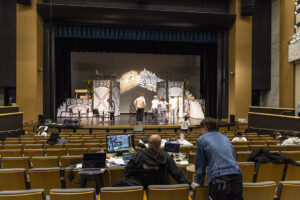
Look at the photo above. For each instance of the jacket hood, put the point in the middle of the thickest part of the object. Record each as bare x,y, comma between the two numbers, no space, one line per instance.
154,157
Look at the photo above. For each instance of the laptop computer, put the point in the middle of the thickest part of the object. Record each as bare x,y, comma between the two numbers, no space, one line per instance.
171,147
93,162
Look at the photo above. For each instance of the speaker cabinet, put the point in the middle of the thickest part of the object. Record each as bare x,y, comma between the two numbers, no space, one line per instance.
248,7
24,2
41,119
232,119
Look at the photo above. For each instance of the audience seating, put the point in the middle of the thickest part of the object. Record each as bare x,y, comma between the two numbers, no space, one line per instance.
33,146
293,148
186,150
75,182
13,179
33,152
66,161
56,152
73,145
292,173
44,161
16,162
168,192
112,175
241,148
72,194
37,194
247,169
295,155
254,147
77,151
242,156
277,148
269,172
201,193
13,146
11,153
259,191
288,190
192,158
59,146
124,193
46,178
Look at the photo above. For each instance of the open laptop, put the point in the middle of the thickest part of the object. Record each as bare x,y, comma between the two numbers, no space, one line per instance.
93,162
171,147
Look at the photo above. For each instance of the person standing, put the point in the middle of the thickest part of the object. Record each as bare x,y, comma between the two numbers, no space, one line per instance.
185,124
173,103
163,109
111,104
154,107
140,105
215,155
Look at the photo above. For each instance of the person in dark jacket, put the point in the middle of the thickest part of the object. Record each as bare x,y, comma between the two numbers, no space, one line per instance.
151,166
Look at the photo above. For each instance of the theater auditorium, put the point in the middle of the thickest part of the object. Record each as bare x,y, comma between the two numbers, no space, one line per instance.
150,100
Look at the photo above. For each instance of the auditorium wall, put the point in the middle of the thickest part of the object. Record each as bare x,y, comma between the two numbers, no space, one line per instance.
1,96
171,67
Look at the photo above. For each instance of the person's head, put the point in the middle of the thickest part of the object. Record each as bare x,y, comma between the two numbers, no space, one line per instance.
154,142
238,134
277,135
142,95
186,118
162,99
41,129
291,134
172,97
108,100
155,97
53,138
208,124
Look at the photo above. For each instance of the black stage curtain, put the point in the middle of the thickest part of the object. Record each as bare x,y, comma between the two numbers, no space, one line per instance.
207,52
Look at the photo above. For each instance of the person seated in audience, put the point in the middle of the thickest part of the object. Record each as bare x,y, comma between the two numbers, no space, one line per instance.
42,131
151,166
239,137
55,139
291,139
278,136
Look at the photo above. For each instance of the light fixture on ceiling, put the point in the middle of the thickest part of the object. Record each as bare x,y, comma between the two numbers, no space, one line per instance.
297,2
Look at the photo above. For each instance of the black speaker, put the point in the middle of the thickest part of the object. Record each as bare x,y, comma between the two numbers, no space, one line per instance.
24,2
232,119
248,7
42,119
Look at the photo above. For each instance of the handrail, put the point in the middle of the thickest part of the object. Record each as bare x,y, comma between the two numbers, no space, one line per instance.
15,113
272,108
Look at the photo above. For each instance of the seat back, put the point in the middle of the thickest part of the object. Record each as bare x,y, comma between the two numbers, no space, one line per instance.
33,152
47,178
240,148
168,192
288,190
66,161
259,191
201,193
124,193
37,194
254,147
247,169
33,146
186,150
295,155
269,172
277,148
242,156
11,153
44,161
72,194
73,145
112,175
16,162
294,148
56,152
13,179
192,158
13,146
77,151
292,173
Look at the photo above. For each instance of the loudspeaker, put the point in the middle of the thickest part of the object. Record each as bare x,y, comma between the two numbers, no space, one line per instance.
248,7
24,2
42,119
232,119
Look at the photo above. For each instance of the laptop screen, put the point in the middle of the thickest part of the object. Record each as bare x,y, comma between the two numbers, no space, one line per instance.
171,147
94,160
117,143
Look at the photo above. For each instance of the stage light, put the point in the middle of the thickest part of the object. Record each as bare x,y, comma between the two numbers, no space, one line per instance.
128,81
297,25
297,11
297,2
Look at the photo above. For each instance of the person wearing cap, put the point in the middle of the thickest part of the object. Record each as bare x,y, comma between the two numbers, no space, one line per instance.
140,105
154,108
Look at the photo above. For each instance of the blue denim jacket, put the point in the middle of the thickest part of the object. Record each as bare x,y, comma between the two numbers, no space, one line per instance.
214,152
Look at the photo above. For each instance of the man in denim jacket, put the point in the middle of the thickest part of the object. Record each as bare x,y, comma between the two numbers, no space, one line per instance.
215,155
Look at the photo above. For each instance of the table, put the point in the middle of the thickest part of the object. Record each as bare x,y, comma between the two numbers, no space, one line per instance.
183,143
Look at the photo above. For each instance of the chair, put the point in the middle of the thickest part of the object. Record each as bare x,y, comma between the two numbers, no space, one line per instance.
294,148
27,141
269,172
277,148
16,141
44,161
185,150
72,178
33,146
77,151
192,158
247,169
240,148
86,114
72,194
254,147
37,194
288,190
124,193
11,153
73,145
295,155
273,142
191,172
112,175
292,173
259,191
201,193
13,146
47,178
168,192
57,146
91,145
33,152
258,143
16,162
242,156
96,114
94,150
66,161
13,179
56,152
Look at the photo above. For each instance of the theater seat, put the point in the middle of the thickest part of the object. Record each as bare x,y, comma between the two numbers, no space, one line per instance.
288,190
295,155
259,191
247,169
73,194
66,161
168,192
201,193
16,162
242,156
269,172
37,194
292,173
124,193
13,179
112,175
11,153
44,161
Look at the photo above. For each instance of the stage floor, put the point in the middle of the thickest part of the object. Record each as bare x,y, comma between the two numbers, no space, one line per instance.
126,120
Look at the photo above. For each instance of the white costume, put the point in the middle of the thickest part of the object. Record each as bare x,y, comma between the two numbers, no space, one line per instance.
195,109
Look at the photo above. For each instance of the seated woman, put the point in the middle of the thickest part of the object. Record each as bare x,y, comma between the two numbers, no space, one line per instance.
291,139
55,139
238,137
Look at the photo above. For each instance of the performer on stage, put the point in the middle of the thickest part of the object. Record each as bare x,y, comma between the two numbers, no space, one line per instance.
140,105
154,107
163,109
173,103
111,104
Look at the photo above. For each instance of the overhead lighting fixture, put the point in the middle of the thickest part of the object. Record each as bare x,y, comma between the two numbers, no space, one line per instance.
297,2
297,11
297,25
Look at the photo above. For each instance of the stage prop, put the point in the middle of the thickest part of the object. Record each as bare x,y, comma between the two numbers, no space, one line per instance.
102,90
81,94
196,108
172,89
75,108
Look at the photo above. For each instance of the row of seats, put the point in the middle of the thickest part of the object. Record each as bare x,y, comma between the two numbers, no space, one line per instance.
242,156
46,146
268,147
258,191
